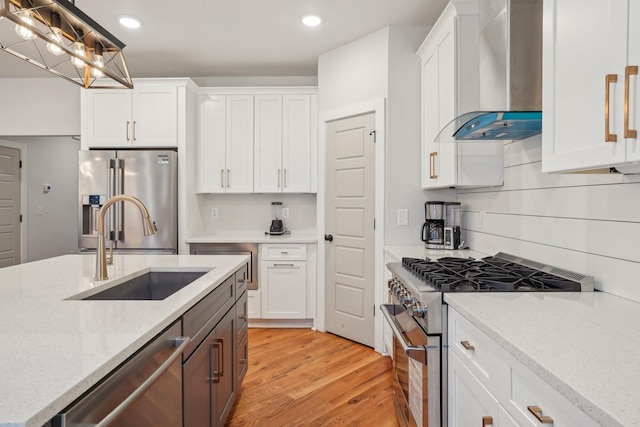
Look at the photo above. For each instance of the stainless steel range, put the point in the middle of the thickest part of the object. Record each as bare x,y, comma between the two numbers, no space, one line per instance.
417,316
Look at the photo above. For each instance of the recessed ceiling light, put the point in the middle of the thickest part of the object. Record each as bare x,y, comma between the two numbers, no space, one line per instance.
311,20
129,22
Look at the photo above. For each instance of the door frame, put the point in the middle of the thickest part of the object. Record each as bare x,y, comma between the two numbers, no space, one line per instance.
6,141
377,106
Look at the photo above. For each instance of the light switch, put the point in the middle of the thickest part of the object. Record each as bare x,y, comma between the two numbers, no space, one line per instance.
403,216
285,212
214,213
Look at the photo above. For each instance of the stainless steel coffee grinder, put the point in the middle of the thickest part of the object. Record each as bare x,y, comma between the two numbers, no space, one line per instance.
452,215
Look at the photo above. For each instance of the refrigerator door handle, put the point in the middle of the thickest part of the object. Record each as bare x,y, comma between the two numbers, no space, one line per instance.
120,205
111,188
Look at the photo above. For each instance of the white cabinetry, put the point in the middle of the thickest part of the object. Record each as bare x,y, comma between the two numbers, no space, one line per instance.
146,116
283,143
283,281
450,87
486,381
590,84
257,140
225,144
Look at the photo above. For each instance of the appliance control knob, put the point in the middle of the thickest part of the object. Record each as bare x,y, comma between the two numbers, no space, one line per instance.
417,310
390,283
398,290
406,298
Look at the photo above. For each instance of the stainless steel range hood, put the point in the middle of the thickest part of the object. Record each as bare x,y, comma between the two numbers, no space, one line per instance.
510,75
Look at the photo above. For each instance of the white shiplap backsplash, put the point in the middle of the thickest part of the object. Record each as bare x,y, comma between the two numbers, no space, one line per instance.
587,223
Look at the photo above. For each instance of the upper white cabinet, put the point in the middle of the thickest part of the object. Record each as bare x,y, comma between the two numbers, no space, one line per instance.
145,116
590,84
257,140
450,88
283,143
225,144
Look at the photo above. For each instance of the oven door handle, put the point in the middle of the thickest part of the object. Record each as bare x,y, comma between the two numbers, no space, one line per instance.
418,353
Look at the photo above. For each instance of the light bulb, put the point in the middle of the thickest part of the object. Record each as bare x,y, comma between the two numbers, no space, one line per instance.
56,34
99,60
24,32
78,49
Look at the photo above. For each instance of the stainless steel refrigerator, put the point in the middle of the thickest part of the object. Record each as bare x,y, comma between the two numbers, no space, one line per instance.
149,175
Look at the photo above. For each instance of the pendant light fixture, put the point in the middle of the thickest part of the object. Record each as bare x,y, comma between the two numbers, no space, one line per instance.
58,37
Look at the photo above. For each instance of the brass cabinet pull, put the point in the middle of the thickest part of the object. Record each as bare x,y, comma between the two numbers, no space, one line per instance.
228,178
466,345
487,421
279,178
222,178
284,181
134,130
630,70
127,130
609,78
432,165
537,412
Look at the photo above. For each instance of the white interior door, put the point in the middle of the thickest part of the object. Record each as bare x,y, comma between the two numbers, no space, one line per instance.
9,206
349,220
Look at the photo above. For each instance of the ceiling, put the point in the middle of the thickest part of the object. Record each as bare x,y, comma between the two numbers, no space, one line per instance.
208,38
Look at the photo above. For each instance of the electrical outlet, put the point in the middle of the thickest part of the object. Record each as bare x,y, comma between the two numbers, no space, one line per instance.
285,212
403,216
214,213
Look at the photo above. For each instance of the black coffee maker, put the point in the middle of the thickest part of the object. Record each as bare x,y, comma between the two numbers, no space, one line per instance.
433,227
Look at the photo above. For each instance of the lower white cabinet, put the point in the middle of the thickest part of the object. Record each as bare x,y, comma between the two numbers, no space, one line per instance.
283,281
487,381
470,403
254,304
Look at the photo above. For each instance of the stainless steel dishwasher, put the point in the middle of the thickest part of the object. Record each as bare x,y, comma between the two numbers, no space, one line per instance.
145,390
250,249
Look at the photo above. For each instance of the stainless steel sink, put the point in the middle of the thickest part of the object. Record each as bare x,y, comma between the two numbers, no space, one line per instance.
155,285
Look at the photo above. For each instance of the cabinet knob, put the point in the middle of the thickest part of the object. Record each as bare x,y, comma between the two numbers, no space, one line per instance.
467,346
328,237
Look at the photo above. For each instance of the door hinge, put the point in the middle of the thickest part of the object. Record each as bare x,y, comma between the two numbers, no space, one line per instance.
20,217
373,132
20,164
374,223
374,311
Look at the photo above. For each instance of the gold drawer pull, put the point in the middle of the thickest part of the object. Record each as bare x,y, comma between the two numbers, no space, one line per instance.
631,70
487,421
432,165
537,412
466,345
609,78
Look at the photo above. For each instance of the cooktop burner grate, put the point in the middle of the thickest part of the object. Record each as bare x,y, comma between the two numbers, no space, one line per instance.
489,274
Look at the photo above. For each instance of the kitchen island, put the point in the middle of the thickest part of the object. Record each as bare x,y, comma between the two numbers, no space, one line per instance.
58,347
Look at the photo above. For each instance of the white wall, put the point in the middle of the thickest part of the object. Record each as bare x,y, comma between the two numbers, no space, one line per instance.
54,161
585,223
252,212
43,106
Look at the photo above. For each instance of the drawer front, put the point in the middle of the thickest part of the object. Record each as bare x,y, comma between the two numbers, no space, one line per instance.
242,312
254,304
202,317
242,279
483,356
272,252
242,360
531,395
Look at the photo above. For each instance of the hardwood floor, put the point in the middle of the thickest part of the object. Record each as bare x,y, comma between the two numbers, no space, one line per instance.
298,377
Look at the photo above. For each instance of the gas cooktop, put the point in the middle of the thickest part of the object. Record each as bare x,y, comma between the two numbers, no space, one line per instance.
499,273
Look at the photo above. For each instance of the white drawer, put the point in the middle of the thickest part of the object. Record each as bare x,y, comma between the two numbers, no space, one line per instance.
529,390
483,356
279,252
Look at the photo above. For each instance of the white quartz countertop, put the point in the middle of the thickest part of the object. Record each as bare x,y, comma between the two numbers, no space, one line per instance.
585,345
254,237
419,251
54,349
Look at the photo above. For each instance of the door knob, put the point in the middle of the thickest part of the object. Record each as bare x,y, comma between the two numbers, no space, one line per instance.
328,237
